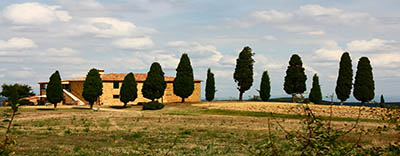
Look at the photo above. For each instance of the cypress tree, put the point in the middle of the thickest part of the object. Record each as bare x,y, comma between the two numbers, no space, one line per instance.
184,81
265,87
128,90
92,87
54,91
315,94
344,81
243,75
154,85
364,82
382,103
295,79
210,86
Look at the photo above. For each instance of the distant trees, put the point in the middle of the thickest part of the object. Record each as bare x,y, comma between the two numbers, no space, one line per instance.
364,83
184,81
382,103
315,94
344,81
295,79
210,86
92,87
14,92
243,75
128,91
154,85
265,87
54,90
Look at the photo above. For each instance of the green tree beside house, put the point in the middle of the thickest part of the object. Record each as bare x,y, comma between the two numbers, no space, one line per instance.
184,81
54,90
92,87
210,86
128,91
154,85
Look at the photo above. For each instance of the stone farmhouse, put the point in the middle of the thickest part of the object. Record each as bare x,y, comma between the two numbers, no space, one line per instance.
112,83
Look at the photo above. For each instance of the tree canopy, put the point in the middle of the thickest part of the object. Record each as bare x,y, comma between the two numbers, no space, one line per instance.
295,79
344,81
243,74
265,87
364,85
154,85
128,91
315,94
210,86
54,91
184,81
16,91
92,87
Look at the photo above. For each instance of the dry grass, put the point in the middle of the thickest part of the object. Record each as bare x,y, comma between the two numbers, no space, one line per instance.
131,131
291,108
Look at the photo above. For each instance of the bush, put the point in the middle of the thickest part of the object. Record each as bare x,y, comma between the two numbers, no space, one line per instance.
25,102
153,105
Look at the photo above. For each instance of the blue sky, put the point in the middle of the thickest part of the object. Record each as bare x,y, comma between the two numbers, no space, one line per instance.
72,36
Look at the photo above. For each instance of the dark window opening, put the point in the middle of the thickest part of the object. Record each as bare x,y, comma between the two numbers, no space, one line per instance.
116,96
116,85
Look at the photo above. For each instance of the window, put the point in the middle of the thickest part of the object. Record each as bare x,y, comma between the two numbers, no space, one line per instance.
44,86
116,85
116,96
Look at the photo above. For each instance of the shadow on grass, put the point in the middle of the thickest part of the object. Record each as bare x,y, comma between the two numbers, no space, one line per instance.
82,108
121,107
45,109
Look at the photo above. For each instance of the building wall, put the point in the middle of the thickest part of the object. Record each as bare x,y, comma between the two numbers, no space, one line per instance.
77,89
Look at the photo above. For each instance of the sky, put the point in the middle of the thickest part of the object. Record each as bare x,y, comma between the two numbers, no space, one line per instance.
120,36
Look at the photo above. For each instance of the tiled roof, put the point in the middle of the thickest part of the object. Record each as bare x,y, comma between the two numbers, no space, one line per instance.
120,77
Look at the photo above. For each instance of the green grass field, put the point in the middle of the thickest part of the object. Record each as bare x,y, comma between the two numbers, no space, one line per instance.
178,129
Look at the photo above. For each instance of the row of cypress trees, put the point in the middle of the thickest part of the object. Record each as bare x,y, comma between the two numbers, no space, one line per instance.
153,87
295,79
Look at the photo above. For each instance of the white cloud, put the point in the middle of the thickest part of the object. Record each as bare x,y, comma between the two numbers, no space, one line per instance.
134,43
271,16
61,52
112,27
373,44
202,55
16,43
316,32
386,60
330,50
82,4
35,13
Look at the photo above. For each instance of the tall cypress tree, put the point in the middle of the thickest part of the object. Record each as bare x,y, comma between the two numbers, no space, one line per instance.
265,87
184,81
315,94
92,87
154,85
210,86
54,91
364,86
128,90
344,81
243,75
295,79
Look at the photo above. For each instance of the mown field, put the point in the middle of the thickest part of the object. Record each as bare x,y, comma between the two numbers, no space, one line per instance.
217,128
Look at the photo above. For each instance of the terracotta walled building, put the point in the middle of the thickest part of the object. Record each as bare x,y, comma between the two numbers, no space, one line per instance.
112,83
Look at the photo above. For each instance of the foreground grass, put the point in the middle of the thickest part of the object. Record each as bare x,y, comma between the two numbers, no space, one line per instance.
186,129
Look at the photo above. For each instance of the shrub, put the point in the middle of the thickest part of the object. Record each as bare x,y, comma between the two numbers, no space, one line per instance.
153,105
25,102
